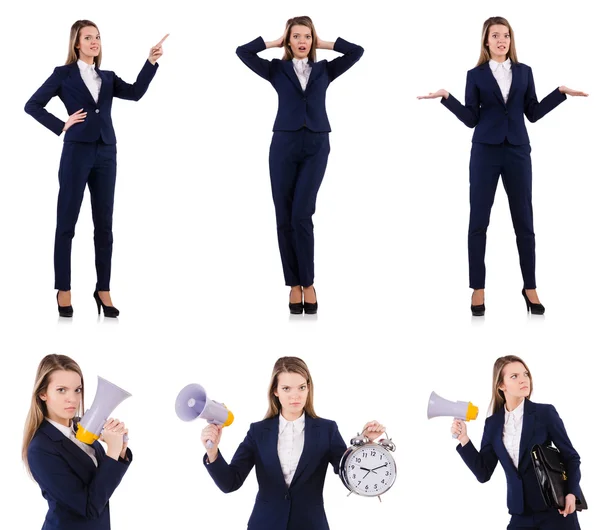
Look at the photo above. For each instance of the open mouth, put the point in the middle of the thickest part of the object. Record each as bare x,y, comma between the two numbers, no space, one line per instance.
302,48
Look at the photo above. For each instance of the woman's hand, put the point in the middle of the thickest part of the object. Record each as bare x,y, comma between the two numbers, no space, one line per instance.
212,433
372,430
459,427
570,502
125,444
156,51
324,44
76,117
570,92
441,93
277,43
112,434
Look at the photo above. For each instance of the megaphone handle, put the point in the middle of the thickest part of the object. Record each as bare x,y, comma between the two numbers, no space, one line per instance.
454,435
209,444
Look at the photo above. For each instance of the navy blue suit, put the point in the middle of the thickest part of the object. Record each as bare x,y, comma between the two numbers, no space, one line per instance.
89,157
278,507
76,490
501,147
299,149
541,424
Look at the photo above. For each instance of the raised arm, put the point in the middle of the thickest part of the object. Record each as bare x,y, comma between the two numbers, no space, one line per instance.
469,112
337,447
351,54
35,106
135,91
230,477
483,462
248,54
534,110
54,476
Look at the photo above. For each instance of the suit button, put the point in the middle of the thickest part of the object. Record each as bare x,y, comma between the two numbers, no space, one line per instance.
505,113
303,99
97,111
287,497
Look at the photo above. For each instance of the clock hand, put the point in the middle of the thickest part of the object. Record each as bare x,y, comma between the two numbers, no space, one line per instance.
365,469
385,465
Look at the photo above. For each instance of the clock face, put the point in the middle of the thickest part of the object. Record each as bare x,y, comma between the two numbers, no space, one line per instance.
370,470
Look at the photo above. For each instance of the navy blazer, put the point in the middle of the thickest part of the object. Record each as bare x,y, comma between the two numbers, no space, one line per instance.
300,108
541,424
493,119
278,507
76,490
67,84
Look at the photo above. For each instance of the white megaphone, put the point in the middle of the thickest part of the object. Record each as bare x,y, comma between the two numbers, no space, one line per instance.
107,398
192,402
459,410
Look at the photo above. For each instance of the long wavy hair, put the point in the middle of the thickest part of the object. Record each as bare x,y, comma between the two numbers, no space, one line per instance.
498,399
484,54
289,365
37,409
73,54
288,55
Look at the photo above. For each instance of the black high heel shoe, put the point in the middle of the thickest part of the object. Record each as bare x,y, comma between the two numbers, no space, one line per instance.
311,308
477,310
109,310
535,309
296,308
64,310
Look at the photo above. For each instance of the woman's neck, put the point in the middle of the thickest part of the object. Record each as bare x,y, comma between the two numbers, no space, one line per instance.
61,421
513,402
87,59
291,416
498,58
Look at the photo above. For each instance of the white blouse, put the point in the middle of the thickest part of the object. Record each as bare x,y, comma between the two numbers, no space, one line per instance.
68,432
503,74
302,69
90,78
511,434
289,445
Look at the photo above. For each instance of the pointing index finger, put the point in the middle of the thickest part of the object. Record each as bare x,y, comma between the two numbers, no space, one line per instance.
162,40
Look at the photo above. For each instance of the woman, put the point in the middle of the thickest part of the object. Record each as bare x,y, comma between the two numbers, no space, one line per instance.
290,448
76,479
500,90
89,153
300,145
515,426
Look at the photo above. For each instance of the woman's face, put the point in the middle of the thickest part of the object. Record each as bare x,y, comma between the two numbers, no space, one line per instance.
498,40
300,41
515,381
89,42
63,396
292,391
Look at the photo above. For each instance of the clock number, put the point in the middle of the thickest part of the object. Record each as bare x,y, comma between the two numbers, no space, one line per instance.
358,460
367,487
354,475
359,482
373,453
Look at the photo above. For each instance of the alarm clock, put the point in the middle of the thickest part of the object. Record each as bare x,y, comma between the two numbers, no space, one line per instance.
368,468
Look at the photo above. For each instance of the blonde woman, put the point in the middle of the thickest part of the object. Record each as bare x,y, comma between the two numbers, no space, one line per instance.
300,145
76,479
89,155
291,449
515,426
500,91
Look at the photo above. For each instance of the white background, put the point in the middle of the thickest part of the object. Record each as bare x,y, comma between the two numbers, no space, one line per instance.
196,270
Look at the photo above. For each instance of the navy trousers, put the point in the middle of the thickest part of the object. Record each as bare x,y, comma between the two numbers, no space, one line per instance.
488,163
549,520
297,162
93,164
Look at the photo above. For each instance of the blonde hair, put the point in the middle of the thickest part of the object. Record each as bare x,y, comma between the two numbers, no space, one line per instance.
289,365
484,55
37,409
288,55
73,54
498,399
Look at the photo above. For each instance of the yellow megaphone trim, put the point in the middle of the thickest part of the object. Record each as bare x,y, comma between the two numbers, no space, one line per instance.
85,436
229,419
472,412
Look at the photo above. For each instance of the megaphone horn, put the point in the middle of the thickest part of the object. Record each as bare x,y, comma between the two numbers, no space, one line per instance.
459,410
107,398
192,402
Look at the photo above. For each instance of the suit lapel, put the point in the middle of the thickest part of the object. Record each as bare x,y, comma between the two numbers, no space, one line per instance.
528,428
79,84
516,78
103,85
288,68
491,81
311,442
315,73
269,444
501,451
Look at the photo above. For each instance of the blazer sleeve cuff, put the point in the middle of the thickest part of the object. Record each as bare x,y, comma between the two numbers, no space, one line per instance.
255,46
128,457
219,461
449,103
466,450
